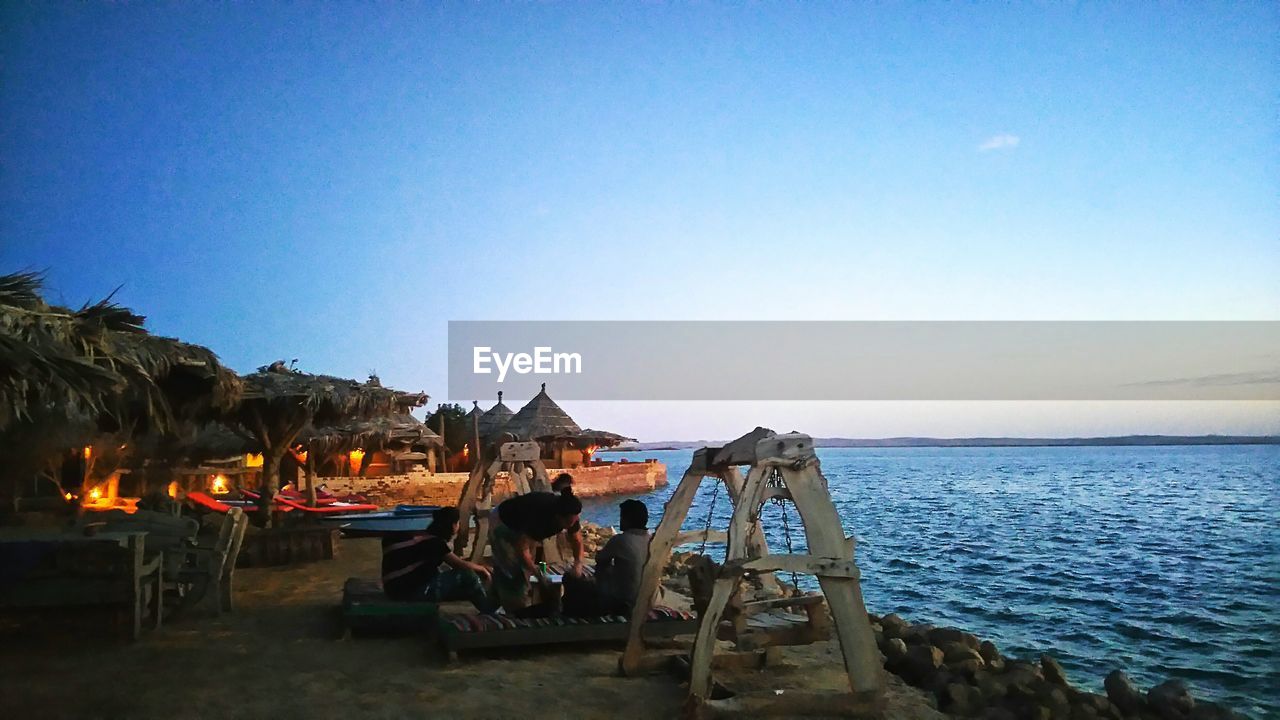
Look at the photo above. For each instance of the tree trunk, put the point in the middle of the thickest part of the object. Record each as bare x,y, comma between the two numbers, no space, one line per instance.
311,478
271,457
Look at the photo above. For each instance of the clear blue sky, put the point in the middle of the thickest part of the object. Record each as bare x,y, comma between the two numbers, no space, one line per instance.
335,182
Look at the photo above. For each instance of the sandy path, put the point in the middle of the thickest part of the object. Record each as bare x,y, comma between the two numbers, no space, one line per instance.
279,656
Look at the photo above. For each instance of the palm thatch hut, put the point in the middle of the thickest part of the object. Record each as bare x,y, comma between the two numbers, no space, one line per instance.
279,403
563,443
97,370
494,420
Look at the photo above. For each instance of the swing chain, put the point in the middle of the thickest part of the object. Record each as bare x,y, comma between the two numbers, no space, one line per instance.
786,534
711,508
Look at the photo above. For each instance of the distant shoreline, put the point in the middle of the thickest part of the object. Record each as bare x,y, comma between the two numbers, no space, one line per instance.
927,442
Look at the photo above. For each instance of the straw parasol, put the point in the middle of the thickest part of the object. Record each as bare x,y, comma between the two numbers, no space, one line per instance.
588,438
278,403
541,417
99,361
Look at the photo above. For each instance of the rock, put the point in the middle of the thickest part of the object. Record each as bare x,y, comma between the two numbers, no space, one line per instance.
1083,712
918,666
991,685
917,634
943,636
958,652
998,713
1171,699
1121,692
960,699
894,649
1053,671
989,651
893,625
1039,712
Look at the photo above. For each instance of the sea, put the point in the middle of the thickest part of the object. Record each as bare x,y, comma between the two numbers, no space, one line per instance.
1161,561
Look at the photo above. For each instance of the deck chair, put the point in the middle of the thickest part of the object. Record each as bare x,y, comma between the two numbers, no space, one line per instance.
207,576
207,502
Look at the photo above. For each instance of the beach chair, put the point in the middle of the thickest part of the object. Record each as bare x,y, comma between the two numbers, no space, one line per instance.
470,632
207,576
207,502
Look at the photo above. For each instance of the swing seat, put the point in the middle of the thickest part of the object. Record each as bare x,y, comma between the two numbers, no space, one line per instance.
465,632
768,623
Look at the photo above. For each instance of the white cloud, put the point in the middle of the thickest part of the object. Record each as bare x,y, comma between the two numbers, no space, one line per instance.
1000,142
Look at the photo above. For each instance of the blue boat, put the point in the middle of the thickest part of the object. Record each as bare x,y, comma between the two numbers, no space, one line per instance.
403,518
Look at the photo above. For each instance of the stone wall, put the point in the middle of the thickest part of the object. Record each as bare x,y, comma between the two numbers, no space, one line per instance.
422,488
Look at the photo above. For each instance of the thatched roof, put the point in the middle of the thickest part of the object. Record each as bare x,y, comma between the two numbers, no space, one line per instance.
375,434
495,419
589,437
331,400
99,361
541,417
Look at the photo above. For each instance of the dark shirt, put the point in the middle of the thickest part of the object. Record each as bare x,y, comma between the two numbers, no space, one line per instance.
619,566
410,562
534,515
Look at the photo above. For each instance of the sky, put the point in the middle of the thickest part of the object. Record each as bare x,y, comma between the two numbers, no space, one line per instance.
334,183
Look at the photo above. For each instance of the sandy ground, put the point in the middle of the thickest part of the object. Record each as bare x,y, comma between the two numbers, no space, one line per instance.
280,655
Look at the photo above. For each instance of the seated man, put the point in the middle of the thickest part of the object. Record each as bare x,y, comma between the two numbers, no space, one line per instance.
411,566
619,567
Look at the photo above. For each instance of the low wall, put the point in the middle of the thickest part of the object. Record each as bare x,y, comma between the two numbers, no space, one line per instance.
423,488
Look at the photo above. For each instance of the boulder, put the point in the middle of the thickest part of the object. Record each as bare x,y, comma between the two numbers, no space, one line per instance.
1121,692
944,636
894,649
989,652
958,652
1053,671
991,685
917,634
1171,700
918,665
998,713
893,625
960,699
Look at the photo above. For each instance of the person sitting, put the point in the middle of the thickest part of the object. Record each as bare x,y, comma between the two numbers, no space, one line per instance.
619,567
522,523
411,566
562,481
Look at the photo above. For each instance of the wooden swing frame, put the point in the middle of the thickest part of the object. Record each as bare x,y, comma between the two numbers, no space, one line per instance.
782,466
476,499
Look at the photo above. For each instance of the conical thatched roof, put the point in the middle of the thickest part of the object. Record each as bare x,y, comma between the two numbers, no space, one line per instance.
495,419
541,417
99,361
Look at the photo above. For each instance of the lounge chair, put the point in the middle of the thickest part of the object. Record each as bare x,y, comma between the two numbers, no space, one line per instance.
466,632
207,502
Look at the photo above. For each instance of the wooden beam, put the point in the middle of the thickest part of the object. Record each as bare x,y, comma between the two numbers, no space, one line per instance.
519,452
806,564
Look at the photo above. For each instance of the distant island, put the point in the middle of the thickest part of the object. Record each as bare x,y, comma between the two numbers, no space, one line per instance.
923,442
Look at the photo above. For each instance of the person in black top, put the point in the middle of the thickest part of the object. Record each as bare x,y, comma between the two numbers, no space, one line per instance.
523,522
411,566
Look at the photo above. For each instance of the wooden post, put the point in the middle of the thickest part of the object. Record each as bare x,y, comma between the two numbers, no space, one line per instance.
475,437
443,441
311,478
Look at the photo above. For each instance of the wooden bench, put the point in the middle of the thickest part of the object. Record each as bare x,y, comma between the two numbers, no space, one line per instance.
467,632
85,572
366,609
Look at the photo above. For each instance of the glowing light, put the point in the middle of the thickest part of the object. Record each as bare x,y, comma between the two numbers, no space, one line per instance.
219,486
357,458
173,489
68,496
466,451
253,460
95,494
88,452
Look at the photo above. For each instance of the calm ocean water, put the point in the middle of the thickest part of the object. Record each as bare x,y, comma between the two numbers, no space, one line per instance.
1163,561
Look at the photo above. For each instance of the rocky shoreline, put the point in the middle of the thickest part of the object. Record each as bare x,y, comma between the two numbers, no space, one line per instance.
969,677
966,676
